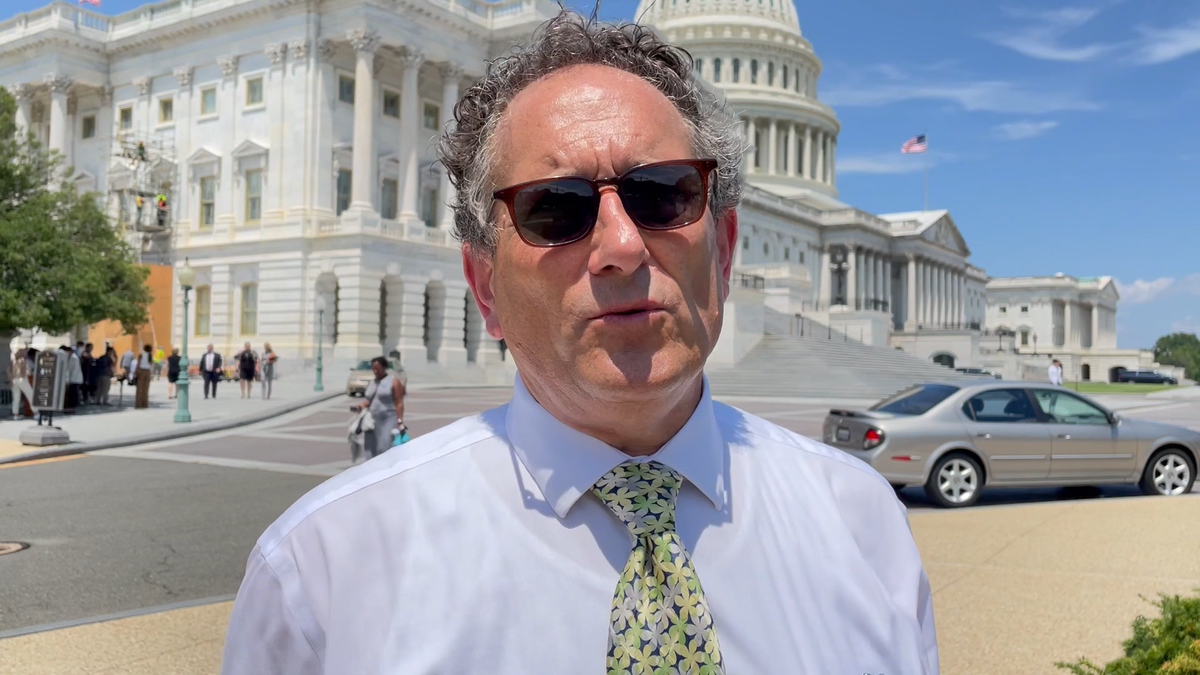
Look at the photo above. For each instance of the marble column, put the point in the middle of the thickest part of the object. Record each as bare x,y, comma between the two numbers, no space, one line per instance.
806,166
852,277
940,285
365,42
296,172
1095,326
772,147
926,293
791,149
23,92
453,350
412,322
880,296
910,310
887,285
863,266
183,140
752,138
1068,326
451,73
142,118
826,291
59,85
410,127
820,172
274,95
832,160
227,108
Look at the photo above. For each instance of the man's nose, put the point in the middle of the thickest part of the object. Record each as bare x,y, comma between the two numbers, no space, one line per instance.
617,244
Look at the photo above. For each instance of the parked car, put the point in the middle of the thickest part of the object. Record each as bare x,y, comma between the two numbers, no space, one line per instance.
978,371
360,377
1145,377
955,440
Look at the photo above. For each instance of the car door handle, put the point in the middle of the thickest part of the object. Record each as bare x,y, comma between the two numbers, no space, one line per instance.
1065,437
983,435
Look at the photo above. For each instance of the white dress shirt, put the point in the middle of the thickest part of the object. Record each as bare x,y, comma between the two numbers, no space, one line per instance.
1055,374
479,549
208,360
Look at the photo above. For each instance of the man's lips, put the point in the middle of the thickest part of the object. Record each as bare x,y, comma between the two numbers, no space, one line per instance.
629,309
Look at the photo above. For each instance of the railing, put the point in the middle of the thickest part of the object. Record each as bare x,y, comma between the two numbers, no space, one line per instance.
749,280
862,304
932,327
803,326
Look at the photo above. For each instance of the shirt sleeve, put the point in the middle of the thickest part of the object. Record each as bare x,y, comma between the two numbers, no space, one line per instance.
264,637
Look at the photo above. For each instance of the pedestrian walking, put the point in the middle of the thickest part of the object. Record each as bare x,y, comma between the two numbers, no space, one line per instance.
74,379
611,517
18,369
145,367
210,368
266,369
384,398
87,364
1054,372
247,364
107,365
158,363
172,373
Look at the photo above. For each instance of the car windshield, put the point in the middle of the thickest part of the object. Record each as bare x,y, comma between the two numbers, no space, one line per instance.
916,401
363,365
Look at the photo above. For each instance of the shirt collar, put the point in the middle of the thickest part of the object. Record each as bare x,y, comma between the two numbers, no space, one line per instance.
565,463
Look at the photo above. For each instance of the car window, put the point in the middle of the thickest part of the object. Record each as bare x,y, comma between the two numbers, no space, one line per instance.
1065,408
1002,405
916,401
363,365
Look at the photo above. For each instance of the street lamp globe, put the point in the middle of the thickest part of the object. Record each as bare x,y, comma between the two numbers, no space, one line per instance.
186,276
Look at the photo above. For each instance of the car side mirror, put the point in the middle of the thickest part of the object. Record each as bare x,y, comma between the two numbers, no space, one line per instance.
1114,418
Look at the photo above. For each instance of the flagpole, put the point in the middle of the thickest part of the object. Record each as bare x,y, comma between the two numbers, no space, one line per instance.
926,153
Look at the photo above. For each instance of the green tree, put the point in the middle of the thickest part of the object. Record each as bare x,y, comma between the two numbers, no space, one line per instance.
61,262
1179,349
1165,645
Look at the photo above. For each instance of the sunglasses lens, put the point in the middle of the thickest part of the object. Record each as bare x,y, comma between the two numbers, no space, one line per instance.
664,197
556,212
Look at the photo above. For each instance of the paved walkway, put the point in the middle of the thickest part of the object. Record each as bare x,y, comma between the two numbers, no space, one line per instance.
121,421
1016,588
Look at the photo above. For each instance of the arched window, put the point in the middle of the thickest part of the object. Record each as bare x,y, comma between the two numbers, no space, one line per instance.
785,76
716,70
766,249
737,70
770,73
753,71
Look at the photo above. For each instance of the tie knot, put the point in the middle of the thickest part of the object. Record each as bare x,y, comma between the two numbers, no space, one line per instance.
642,495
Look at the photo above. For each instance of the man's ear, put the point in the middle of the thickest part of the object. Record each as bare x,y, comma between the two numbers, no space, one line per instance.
479,267
727,237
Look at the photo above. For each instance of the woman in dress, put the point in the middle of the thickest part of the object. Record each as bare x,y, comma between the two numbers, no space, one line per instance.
172,372
267,369
385,399
145,367
247,362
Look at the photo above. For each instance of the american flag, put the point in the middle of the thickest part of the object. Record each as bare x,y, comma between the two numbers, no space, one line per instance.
914,145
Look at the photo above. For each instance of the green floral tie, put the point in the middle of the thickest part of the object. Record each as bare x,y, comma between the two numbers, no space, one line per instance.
660,621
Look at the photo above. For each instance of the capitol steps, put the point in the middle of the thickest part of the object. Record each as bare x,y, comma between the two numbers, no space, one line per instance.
815,366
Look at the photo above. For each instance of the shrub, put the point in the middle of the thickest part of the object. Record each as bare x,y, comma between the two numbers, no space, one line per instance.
1167,645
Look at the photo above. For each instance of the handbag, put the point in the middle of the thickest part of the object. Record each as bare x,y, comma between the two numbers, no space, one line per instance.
400,436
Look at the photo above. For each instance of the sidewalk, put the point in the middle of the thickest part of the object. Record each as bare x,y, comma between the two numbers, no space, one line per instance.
96,427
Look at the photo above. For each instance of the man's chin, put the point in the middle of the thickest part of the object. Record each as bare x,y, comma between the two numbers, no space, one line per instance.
635,376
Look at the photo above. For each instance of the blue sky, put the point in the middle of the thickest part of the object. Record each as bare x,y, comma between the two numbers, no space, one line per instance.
1064,137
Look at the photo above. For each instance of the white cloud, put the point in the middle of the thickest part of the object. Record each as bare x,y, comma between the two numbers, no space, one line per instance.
1160,45
1024,129
880,163
1142,291
1041,37
867,89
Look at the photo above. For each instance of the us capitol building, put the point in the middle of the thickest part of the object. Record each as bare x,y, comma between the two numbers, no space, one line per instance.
291,143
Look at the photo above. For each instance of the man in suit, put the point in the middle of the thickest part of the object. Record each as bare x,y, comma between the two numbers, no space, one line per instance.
210,367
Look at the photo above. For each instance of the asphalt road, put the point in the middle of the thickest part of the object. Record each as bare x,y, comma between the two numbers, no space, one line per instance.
133,528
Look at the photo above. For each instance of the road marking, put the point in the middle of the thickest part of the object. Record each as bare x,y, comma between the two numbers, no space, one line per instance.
157,609
40,461
278,467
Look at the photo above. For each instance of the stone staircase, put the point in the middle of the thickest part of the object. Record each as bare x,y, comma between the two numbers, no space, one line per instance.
822,363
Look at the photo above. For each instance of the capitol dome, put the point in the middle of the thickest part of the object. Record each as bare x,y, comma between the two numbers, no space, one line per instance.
754,53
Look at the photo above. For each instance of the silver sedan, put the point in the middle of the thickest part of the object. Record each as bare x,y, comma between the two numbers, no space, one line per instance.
956,439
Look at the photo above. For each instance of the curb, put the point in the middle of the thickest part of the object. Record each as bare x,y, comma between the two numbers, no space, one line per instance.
183,432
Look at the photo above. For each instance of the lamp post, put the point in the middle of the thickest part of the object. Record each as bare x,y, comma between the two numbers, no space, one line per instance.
187,277
1035,344
320,386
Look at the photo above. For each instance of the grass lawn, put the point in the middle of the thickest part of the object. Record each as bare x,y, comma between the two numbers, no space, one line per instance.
1116,387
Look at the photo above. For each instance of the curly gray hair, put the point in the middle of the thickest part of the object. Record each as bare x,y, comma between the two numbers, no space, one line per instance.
468,150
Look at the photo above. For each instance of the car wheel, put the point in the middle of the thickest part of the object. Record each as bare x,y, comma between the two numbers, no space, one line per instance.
1169,472
956,481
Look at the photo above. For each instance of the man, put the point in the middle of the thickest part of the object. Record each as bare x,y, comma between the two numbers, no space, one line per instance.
1055,372
87,361
159,357
611,518
210,368
127,361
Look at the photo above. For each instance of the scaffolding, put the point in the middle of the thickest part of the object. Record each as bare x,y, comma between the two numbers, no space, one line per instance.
145,196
